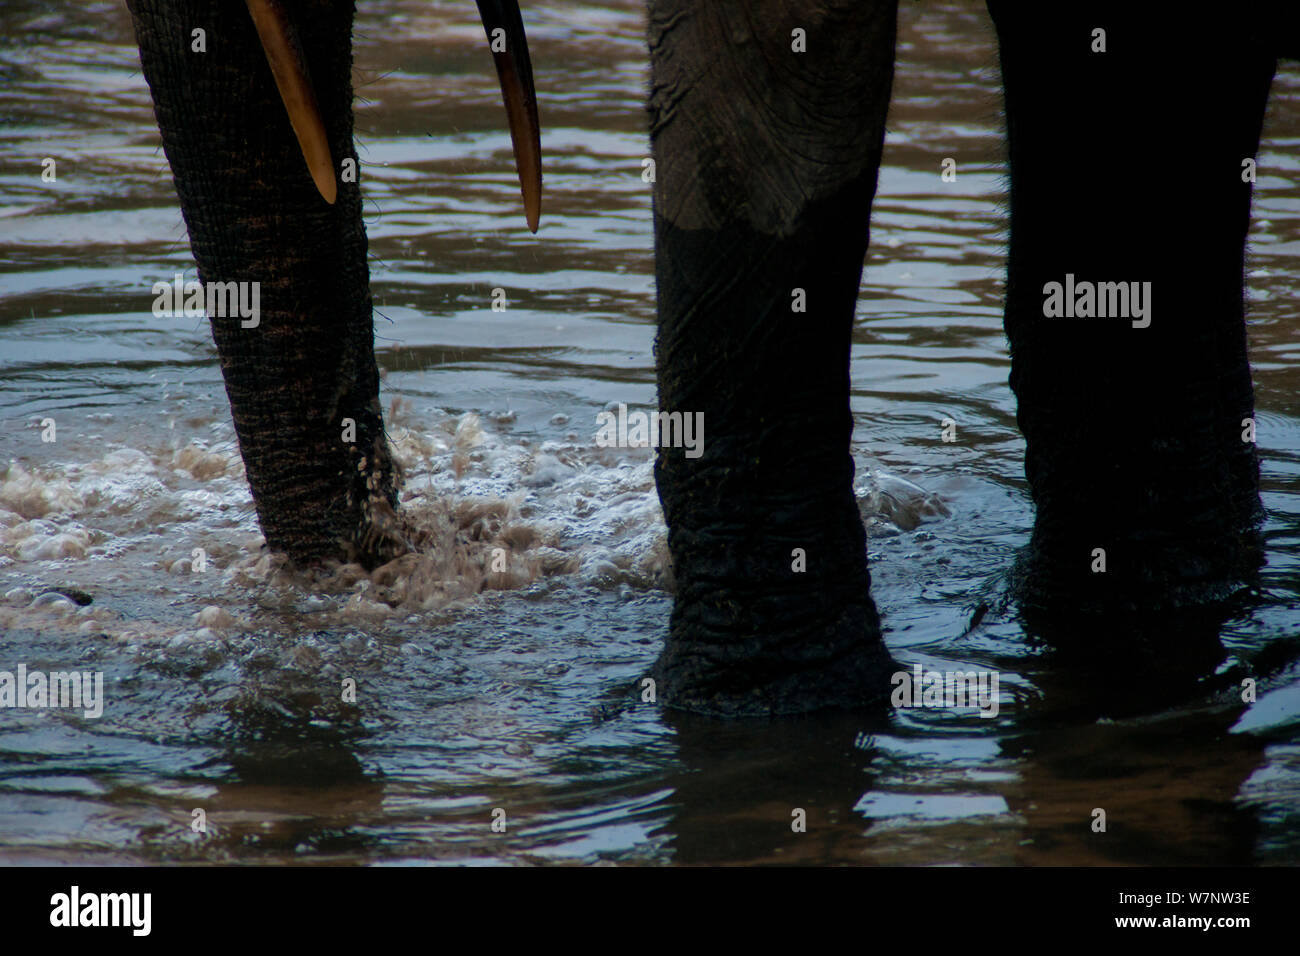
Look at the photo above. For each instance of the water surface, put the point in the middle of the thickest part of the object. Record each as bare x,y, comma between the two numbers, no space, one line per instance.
483,691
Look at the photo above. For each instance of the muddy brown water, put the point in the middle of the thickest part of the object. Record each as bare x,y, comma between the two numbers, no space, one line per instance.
478,692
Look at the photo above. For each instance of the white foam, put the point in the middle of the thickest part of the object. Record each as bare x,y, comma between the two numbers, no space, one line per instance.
485,510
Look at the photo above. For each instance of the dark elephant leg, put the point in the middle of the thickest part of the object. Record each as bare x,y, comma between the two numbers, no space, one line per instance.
321,489
1127,166
766,160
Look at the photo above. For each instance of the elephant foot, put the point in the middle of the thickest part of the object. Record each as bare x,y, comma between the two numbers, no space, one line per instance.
380,534
381,537
1135,583
764,627
840,663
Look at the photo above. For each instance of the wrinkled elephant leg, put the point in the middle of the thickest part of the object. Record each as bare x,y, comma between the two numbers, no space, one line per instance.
767,121
306,369
1128,165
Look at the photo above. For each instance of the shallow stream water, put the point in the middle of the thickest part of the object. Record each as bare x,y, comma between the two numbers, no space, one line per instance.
478,692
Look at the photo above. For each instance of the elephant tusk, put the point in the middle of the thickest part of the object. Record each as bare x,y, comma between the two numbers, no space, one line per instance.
284,54
510,52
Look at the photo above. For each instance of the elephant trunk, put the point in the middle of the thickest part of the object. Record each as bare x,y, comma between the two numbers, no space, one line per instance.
300,375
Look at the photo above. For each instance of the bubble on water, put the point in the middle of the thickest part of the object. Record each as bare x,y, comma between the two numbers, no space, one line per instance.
34,495
200,463
122,494
896,501
547,470
53,547
215,618
19,597
359,609
53,603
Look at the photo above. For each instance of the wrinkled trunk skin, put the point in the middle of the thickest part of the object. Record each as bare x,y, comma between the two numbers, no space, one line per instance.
1126,165
766,164
254,215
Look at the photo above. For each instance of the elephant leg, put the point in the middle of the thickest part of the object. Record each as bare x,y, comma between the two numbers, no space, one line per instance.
767,122
302,382
1128,153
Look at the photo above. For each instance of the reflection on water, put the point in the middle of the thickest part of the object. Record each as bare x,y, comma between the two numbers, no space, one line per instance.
479,689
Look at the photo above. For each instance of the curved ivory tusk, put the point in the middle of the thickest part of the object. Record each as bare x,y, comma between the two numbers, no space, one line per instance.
284,54
515,71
